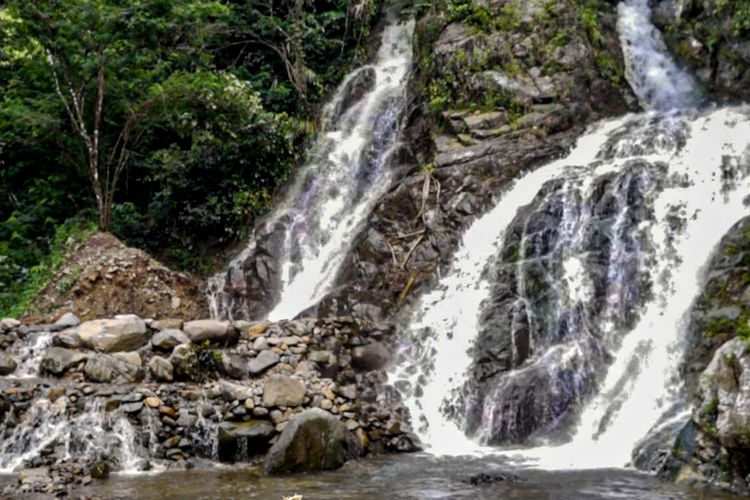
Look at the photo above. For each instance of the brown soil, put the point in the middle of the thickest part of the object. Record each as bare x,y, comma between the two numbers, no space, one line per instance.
102,277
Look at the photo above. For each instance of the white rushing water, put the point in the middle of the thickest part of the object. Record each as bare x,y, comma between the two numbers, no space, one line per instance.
91,436
347,173
701,163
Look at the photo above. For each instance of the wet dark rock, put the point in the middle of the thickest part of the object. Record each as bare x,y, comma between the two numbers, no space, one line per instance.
239,441
483,478
357,86
313,440
373,356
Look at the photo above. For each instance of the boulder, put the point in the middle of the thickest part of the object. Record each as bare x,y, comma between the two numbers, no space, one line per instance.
370,357
219,332
232,366
67,320
167,324
185,362
238,441
7,364
8,324
283,391
262,362
313,440
161,369
58,360
106,368
125,333
168,338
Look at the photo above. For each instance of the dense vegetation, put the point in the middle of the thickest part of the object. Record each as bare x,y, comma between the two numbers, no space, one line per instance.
170,123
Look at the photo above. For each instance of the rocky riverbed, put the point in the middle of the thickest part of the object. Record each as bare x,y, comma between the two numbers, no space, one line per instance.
127,394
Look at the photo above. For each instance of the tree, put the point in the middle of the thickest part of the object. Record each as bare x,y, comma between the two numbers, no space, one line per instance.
113,65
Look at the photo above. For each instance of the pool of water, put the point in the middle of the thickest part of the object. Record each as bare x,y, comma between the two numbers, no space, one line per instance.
418,476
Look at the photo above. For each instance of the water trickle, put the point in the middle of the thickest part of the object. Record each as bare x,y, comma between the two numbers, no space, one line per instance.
30,354
310,232
91,436
560,322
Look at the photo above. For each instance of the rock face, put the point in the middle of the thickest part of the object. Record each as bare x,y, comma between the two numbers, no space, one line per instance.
714,447
711,39
109,278
112,335
370,357
489,108
314,440
490,102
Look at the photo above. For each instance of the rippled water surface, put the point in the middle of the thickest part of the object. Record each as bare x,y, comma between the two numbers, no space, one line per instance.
416,476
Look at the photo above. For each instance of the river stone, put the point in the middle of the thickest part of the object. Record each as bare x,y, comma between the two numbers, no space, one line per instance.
57,360
7,364
67,320
313,440
231,392
161,369
283,391
220,332
370,357
167,324
126,333
168,338
8,324
110,369
263,362
241,440
232,366
185,362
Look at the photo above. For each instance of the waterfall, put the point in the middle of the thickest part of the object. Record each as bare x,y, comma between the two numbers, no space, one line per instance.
560,323
347,172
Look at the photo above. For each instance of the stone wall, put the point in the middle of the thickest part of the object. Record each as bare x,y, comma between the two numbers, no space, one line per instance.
186,391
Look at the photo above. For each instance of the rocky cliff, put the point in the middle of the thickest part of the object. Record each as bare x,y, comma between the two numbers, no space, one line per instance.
499,88
710,37
714,447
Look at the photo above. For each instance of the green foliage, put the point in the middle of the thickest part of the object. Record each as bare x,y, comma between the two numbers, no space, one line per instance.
739,11
209,359
19,285
214,119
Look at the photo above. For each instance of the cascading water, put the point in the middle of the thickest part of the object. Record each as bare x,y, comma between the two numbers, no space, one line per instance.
91,436
564,307
311,231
